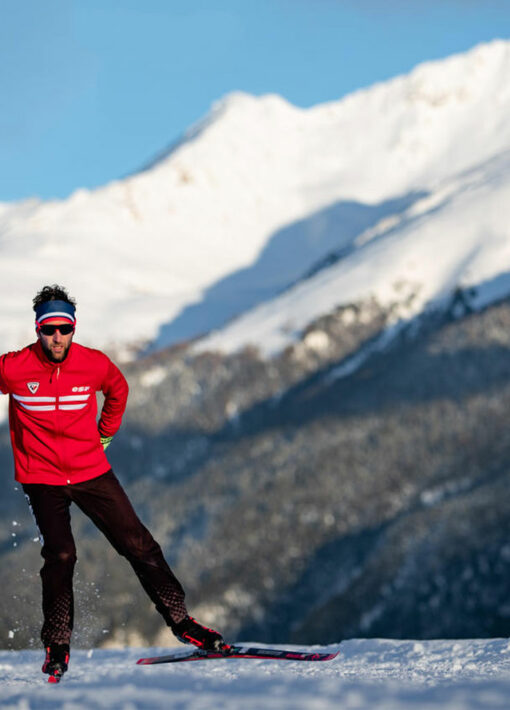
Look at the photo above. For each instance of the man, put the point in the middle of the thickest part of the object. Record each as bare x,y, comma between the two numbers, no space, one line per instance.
59,459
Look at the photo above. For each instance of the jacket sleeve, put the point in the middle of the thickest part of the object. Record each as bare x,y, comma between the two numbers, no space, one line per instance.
4,387
115,390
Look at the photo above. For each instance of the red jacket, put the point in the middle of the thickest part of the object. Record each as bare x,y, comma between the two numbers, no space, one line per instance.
53,410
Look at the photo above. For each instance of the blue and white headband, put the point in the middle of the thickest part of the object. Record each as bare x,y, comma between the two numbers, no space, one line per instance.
55,309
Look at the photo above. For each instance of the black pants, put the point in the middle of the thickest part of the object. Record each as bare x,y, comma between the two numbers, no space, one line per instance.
105,502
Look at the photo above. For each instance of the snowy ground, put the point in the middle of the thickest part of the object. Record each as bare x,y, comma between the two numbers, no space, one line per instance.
382,674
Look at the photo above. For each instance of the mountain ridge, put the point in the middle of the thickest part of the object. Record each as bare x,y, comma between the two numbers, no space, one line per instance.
160,241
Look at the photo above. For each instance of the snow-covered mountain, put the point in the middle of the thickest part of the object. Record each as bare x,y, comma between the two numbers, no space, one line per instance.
391,484
402,189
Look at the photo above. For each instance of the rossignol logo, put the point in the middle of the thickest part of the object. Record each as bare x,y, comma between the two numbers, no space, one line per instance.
33,386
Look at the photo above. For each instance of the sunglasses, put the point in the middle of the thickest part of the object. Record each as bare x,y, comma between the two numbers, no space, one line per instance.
64,329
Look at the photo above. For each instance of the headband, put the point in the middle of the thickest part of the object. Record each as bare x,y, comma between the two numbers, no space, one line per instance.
54,309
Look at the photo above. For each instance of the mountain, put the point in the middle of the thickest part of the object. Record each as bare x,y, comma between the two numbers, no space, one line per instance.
261,197
333,462
298,506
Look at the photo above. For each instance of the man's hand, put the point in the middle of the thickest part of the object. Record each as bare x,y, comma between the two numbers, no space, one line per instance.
106,441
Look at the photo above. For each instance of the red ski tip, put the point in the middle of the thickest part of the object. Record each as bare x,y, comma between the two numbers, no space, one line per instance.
54,679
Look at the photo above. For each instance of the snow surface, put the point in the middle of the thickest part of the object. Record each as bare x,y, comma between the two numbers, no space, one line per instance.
410,178
382,674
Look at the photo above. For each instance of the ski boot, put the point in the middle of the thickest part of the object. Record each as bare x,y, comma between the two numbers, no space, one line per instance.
55,663
190,631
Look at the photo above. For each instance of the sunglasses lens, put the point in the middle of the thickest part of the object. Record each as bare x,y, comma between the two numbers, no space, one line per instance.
47,329
50,329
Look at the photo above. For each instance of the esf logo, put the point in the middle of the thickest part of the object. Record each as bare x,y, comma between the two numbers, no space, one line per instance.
80,389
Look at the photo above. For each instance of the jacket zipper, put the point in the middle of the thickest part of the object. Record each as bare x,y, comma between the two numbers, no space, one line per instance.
58,428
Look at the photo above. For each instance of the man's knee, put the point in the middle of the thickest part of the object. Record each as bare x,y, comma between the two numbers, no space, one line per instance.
63,557
142,548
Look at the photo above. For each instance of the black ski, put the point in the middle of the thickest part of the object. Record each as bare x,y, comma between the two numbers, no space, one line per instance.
238,652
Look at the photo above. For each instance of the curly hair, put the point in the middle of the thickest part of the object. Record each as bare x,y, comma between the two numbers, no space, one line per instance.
52,293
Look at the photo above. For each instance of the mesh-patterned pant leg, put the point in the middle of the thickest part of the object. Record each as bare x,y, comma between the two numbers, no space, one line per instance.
50,506
105,502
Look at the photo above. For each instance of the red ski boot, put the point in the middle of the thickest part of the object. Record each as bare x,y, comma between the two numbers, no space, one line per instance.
56,661
190,631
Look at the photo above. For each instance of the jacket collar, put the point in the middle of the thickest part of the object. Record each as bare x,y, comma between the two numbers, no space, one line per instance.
37,347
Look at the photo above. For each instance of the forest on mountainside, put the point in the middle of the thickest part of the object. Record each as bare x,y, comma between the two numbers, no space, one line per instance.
297,505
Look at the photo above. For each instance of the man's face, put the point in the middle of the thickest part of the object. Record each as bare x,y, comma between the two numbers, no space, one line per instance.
56,346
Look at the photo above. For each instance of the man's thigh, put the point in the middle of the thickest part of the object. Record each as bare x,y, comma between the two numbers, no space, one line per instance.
50,508
106,503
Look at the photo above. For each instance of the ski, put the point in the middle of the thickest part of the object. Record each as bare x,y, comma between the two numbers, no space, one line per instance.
238,652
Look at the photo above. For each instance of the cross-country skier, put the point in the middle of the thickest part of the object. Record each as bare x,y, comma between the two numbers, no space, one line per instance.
59,459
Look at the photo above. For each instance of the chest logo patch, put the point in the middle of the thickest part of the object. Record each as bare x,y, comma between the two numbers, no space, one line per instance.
33,386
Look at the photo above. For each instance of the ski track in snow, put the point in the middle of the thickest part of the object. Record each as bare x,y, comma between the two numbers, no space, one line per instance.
382,674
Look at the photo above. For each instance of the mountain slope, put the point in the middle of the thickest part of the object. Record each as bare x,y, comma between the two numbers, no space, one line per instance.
455,237
293,502
298,506
253,199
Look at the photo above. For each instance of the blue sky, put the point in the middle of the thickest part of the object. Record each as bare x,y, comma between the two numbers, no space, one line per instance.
92,90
